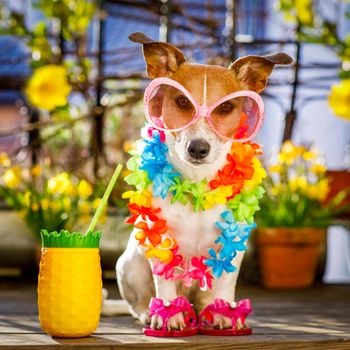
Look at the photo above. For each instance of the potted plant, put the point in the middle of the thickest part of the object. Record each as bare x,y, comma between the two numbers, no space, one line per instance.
294,218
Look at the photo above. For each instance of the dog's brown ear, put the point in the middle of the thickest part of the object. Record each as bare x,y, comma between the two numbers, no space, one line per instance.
252,71
162,59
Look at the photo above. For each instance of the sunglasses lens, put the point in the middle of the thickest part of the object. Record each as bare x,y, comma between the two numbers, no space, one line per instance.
236,118
169,107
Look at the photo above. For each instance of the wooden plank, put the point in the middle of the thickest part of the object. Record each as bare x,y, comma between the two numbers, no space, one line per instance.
316,318
109,342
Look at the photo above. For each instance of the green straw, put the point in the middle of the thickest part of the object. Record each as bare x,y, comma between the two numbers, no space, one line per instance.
104,198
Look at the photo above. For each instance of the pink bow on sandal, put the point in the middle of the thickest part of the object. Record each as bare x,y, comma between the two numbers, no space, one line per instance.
167,309
233,310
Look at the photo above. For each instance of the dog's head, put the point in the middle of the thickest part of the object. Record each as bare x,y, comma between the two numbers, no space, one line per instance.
198,146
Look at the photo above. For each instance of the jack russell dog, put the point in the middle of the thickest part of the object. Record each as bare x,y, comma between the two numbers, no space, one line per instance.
193,172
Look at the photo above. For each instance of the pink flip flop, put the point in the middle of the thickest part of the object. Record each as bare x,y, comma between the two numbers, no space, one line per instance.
233,310
166,309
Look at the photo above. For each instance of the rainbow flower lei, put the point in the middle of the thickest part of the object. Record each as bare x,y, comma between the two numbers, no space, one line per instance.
236,185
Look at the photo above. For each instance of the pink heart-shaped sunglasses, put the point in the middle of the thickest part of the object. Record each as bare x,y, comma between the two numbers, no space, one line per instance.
170,107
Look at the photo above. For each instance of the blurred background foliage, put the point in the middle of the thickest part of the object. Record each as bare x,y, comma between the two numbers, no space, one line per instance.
84,106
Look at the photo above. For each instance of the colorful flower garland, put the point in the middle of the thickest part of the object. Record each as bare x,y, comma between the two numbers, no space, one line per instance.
236,185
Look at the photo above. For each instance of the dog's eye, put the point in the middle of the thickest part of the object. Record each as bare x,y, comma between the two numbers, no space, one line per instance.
225,108
183,102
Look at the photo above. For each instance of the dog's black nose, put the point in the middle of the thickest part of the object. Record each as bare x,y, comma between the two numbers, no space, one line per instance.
198,149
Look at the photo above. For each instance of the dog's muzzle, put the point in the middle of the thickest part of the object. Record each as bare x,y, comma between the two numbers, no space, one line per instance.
198,149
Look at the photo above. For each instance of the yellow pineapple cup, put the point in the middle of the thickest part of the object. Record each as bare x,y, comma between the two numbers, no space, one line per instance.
70,278
69,284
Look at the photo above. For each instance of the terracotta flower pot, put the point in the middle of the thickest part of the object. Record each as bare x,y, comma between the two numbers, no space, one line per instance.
289,255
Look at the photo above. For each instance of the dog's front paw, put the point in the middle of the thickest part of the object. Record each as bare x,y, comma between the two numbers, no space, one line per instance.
222,322
175,322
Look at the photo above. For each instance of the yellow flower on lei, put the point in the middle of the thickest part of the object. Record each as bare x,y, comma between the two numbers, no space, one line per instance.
162,251
12,177
143,198
48,87
258,176
339,99
217,196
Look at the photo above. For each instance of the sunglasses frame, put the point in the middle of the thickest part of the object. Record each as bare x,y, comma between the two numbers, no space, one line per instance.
200,110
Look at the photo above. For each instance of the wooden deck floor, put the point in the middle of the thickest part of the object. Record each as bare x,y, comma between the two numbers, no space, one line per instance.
317,318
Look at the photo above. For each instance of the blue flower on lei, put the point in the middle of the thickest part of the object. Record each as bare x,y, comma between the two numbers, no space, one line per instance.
230,228
219,265
229,247
163,181
154,156
233,239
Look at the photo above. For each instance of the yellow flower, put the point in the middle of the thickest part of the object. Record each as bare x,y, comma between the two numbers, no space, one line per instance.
84,189
310,155
339,99
12,177
5,161
217,196
298,183
54,206
84,208
96,202
318,168
36,170
304,11
61,184
258,176
276,190
140,198
35,207
48,87
289,153
45,204
67,203
276,168
27,198
85,219
128,146
319,190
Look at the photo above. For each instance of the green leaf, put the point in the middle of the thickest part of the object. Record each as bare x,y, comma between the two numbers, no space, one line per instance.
65,239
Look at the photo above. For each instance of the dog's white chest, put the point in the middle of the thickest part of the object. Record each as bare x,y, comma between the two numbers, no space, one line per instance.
195,232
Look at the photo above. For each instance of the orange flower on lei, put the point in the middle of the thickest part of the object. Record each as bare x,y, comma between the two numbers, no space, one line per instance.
145,212
239,168
153,234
